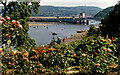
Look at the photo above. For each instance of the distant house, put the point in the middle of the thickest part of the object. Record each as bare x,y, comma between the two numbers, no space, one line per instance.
82,15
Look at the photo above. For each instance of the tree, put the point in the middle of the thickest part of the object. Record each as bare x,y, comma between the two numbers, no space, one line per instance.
111,23
21,12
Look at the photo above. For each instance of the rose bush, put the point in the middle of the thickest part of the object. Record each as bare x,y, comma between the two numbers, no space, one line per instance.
14,34
20,63
94,55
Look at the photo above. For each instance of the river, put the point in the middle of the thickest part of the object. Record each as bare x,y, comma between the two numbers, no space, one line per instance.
43,34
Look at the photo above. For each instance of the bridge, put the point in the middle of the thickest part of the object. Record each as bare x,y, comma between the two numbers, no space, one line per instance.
75,20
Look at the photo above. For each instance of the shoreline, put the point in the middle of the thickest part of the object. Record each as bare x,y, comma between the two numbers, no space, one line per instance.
75,37
41,23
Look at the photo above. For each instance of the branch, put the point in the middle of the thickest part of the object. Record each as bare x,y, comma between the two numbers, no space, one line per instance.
2,2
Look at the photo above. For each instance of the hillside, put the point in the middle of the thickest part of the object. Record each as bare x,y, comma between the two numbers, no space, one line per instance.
104,12
50,11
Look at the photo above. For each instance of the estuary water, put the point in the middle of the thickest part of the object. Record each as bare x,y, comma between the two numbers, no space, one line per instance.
43,34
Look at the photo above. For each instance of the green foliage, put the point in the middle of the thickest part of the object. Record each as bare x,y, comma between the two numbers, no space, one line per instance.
104,12
94,31
111,24
21,12
91,54
51,11
86,53
15,62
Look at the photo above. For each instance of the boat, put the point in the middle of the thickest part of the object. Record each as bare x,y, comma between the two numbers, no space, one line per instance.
35,27
54,33
80,31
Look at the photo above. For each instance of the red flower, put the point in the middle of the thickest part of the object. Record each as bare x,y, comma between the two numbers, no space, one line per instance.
104,41
12,63
92,51
3,19
8,18
43,51
110,42
25,54
58,49
13,21
48,52
1,51
11,29
97,64
109,50
17,23
107,36
51,44
112,39
83,54
5,23
7,35
104,49
36,49
81,50
51,49
56,66
74,55
20,26
25,59
40,65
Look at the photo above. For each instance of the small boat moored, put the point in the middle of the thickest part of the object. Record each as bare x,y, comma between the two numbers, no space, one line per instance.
80,31
54,33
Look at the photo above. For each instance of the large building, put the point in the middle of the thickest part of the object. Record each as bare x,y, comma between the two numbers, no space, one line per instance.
82,15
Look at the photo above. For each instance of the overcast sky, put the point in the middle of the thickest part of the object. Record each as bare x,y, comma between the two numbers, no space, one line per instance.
69,3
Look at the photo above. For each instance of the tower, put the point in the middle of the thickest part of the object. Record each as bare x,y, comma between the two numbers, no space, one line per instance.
82,15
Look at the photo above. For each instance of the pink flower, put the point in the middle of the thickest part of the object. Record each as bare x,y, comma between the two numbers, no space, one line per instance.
107,36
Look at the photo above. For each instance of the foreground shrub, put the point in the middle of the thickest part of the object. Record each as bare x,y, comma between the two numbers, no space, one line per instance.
15,62
91,55
14,34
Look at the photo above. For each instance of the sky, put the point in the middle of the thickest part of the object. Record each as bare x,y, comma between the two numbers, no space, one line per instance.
71,3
